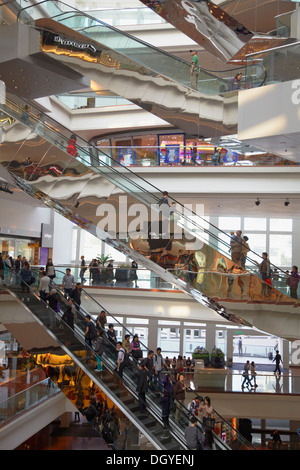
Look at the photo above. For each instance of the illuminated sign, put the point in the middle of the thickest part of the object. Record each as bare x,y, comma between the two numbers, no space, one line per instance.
58,44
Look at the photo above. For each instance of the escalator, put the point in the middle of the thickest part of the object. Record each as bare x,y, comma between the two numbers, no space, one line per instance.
233,438
121,391
153,80
86,190
168,65
216,29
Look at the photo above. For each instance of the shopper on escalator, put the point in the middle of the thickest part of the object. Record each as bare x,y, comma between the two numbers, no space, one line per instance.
71,149
194,70
142,388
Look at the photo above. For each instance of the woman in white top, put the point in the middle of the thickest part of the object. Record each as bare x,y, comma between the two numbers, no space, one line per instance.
44,288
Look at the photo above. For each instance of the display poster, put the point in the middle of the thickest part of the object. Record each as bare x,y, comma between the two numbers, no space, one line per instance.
126,156
169,155
230,156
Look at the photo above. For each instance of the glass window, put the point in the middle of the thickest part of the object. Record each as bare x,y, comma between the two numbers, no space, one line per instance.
168,341
257,243
146,150
221,340
166,322
254,224
281,250
281,225
137,321
230,223
192,339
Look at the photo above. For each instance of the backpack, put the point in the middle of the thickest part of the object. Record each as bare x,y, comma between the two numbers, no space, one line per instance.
92,331
125,361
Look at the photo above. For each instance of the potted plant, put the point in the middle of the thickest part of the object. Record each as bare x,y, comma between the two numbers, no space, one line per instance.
122,273
102,260
201,353
217,353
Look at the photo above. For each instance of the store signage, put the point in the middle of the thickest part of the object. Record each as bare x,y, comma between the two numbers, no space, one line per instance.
69,45
47,236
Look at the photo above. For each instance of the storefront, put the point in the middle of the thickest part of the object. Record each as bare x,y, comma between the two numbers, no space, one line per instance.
14,246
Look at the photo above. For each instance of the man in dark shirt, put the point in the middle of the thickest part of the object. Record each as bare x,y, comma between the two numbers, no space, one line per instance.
277,360
142,387
111,334
147,363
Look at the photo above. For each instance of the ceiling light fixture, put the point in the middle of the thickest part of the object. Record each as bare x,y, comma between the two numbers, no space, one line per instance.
257,203
287,202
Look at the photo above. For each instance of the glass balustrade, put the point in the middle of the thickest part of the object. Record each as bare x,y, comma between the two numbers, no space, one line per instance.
153,58
281,63
26,400
189,250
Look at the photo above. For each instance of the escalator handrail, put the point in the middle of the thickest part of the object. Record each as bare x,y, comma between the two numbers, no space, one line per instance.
77,11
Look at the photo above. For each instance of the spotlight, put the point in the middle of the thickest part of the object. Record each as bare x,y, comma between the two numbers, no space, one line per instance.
257,203
286,203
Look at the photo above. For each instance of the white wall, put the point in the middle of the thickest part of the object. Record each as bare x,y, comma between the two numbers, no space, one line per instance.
62,240
22,219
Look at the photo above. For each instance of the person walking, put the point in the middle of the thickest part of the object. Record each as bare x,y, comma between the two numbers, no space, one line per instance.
253,375
193,436
133,273
246,375
277,359
83,269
